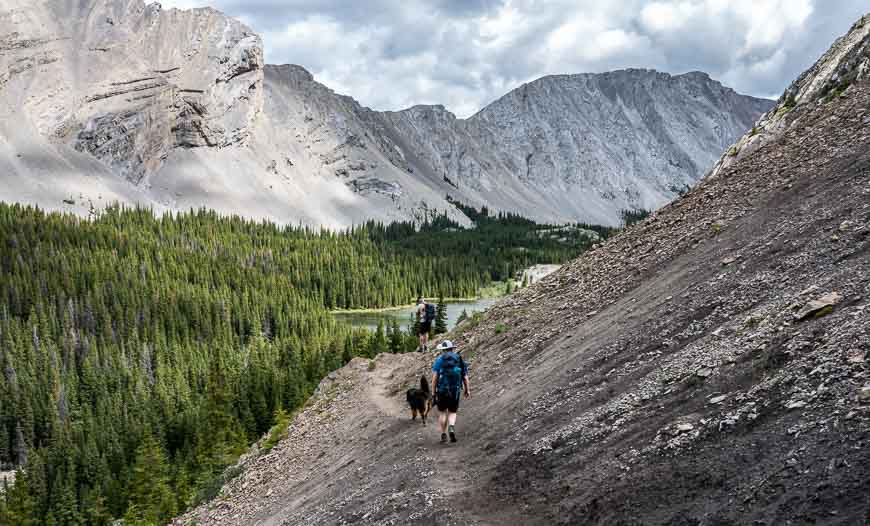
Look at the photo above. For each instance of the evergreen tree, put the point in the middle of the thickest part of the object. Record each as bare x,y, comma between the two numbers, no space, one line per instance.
396,343
17,507
150,497
440,326
378,343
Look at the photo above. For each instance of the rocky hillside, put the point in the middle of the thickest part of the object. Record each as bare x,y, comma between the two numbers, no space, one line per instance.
116,100
706,366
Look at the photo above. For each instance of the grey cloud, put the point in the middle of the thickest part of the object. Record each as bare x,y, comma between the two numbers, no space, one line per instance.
464,54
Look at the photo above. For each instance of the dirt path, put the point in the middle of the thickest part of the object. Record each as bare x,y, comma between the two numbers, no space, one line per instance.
386,391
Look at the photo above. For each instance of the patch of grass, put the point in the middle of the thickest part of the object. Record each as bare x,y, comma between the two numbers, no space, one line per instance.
279,430
837,89
469,324
496,289
733,151
716,228
824,312
500,328
372,365
754,131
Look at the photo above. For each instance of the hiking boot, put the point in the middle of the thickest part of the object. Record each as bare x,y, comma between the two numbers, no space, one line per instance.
452,436
443,438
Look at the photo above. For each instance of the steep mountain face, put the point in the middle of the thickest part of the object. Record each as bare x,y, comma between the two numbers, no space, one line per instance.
585,146
96,96
116,100
706,366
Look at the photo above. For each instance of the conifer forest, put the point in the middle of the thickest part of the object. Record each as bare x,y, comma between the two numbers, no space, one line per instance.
140,355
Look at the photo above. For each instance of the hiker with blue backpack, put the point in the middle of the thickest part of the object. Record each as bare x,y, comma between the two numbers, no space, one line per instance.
450,378
425,316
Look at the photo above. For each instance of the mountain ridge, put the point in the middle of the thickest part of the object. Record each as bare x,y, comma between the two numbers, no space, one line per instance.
176,109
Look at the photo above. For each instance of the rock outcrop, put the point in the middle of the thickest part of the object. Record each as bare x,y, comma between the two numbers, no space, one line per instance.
116,100
708,365
845,63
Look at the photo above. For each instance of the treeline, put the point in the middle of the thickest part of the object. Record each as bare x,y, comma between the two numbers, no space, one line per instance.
140,355
497,248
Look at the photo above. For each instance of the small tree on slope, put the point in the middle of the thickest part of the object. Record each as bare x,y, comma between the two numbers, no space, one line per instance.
441,317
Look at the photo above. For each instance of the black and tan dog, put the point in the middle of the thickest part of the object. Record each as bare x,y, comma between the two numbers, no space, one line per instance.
420,400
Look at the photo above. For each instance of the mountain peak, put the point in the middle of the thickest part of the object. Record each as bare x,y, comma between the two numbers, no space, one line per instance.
291,71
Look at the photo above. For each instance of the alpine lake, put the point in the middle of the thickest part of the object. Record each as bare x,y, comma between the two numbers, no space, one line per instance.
404,315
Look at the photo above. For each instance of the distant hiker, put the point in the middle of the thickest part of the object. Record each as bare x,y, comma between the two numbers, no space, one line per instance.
425,315
450,379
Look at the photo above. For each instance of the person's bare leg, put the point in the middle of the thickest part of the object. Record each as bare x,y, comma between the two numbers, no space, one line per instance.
451,420
442,421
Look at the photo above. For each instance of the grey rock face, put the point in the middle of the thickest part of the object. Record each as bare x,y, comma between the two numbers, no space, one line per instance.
583,147
116,100
121,83
846,63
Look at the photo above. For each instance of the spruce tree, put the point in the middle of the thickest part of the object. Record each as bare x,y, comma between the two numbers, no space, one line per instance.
19,506
150,498
440,326
396,337
378,343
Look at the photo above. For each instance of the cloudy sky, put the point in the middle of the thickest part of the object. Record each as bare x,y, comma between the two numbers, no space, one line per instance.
391,54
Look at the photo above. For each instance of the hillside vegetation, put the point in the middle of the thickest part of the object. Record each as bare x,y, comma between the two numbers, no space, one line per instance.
140,356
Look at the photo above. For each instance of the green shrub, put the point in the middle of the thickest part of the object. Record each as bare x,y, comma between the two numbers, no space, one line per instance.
500,328
278,431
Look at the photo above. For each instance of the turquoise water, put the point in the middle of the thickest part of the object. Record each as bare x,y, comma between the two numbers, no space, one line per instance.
403,314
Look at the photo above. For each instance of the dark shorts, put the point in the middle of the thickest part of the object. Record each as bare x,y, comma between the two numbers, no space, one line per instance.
425,327
447,403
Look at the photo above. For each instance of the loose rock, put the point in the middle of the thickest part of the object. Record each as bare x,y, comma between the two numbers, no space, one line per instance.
819,306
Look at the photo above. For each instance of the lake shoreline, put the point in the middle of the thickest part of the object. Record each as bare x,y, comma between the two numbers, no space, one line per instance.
376,310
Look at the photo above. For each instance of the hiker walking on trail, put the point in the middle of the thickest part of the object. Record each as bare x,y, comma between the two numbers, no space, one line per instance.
450,378
425,315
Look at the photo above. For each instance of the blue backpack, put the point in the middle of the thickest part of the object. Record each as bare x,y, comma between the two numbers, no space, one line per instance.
429,314
450,374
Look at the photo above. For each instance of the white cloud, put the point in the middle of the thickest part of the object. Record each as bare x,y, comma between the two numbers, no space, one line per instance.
464,54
